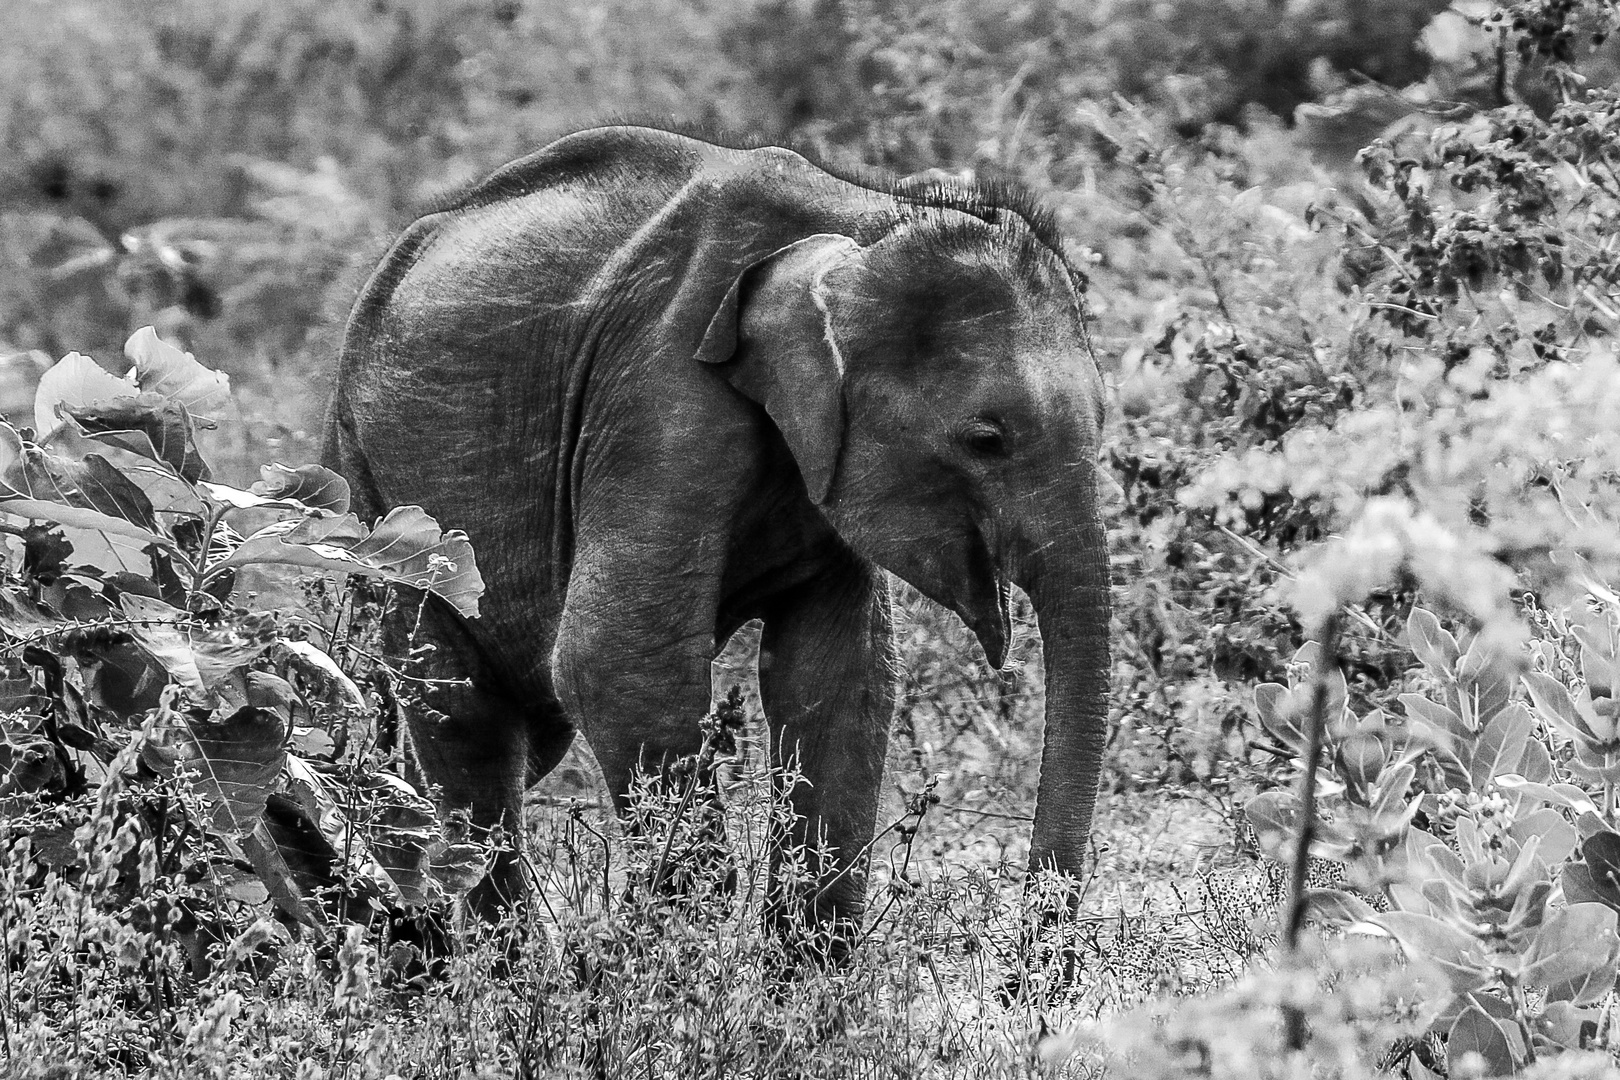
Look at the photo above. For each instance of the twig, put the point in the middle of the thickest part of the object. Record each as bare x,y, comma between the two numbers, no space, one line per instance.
1327,660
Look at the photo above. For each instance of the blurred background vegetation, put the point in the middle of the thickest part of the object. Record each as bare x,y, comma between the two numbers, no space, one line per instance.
219,166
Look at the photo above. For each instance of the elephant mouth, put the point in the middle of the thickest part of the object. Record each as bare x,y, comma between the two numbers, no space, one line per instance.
994,628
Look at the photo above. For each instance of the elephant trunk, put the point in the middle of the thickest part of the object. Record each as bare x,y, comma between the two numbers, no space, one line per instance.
1067,582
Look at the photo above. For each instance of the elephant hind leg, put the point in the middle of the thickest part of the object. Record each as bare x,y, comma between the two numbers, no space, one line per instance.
469,737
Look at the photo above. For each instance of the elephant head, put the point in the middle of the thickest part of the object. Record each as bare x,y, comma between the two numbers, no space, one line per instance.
938,392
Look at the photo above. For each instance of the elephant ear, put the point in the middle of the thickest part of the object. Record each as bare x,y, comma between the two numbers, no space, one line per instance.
773,336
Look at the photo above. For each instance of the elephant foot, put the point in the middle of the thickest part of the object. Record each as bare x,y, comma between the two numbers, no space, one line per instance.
1048,953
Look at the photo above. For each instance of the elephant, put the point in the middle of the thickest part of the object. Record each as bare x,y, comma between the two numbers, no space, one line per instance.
670,384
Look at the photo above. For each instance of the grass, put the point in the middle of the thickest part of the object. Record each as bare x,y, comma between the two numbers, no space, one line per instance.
596,976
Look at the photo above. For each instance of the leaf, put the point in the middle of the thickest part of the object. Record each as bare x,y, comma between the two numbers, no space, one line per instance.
166,369
197,657
1278,712
406,547
323,805
1334,907
1570,945
238,759
1485,679
1275,817
1581,888
1457,954
1431,643
74,380
1567,795
1563,1023
88,494
1360,758
1601,853
1475,1032
28,763
156,626
22,617
225,495
270,863
402,831
1557,837
1536,765
313,660
1500,746
309,485
1555,705
164,427
1597,660
1591,986
1439,717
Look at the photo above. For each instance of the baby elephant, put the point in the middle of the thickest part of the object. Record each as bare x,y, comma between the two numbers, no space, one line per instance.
668,386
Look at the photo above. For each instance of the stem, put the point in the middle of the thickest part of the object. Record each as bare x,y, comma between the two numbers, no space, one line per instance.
1315,723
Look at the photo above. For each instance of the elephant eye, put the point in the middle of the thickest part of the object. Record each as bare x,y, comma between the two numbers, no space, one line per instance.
984,436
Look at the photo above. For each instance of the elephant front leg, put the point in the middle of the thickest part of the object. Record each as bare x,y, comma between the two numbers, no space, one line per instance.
827,684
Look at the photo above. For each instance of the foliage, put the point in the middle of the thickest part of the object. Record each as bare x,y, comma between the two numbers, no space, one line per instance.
168,753
1348,392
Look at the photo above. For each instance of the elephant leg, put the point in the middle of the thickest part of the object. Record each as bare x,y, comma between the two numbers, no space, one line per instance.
827,684
468,737
631,662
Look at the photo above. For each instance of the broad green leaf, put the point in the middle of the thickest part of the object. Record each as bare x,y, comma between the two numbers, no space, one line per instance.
28,763
132,454
1456,953
1334,907
309,485
1570,945
75,380
1275,818
1360,758
1599,764
323,803
1390,795
1597,660
156,626
22,617
195,656
1431,643
1567,795
237,759
1590,986
406,547
1309,657
1437,717
166,369
1279,714
313,660
1500,746
1580,887
1563,1022
1526,869
88,494
1536,765
1601,853
270,863
1557,838
401,830
1475,1032
1485,679
162,425
1555,706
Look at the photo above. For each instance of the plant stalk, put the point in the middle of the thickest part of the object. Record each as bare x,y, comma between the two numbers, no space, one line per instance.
1315,724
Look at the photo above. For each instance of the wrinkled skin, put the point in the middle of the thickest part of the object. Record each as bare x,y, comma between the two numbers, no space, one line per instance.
668,387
